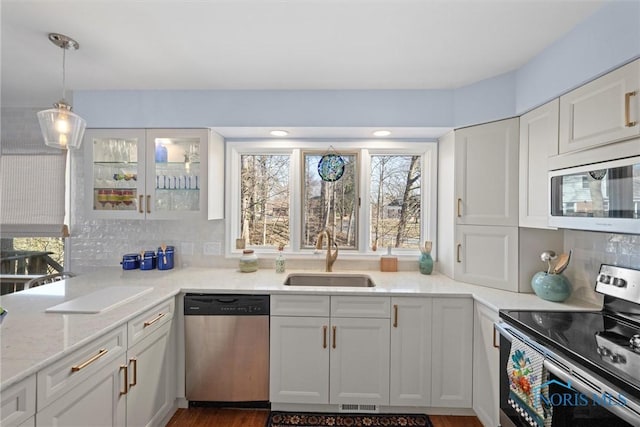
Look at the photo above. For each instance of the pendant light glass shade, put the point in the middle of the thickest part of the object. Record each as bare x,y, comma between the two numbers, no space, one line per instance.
60,127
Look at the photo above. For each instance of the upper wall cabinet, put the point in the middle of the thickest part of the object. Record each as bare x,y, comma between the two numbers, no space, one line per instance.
538,142
486,174
602,111
146,174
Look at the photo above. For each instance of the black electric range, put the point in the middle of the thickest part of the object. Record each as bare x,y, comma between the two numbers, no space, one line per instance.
599,349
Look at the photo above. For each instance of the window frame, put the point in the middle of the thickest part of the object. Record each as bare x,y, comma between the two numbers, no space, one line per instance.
235,148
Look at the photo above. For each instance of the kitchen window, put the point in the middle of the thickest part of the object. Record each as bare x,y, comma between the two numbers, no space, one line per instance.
385,197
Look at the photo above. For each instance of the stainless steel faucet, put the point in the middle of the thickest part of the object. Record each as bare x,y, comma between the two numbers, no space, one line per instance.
331,257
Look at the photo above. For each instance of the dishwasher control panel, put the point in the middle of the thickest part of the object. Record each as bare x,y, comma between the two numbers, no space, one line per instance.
226,305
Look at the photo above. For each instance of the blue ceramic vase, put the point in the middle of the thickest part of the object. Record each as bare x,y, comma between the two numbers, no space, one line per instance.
426,263
551,287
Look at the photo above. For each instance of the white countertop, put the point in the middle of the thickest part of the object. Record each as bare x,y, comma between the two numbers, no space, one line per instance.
31,338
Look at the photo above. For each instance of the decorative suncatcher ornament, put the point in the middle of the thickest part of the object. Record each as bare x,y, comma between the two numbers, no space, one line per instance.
331,166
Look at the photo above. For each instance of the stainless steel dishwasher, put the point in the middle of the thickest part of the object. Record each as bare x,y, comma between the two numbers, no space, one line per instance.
227,349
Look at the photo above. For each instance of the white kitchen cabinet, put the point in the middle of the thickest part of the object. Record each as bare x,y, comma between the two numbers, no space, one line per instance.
151,391
487,256
452,356
99,400
359,361
478,209
486,174
30,422
151,366
410,374
322,358
299,359
538,142
149,174
18,402
604,110
486,366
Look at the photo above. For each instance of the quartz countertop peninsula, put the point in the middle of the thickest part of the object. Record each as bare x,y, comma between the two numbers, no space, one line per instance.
31,338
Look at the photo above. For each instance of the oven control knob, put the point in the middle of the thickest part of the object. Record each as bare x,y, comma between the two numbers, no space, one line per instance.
618,358
634,342
603,278
604,351
621,283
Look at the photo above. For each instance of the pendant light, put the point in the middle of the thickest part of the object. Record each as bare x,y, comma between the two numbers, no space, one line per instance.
60,127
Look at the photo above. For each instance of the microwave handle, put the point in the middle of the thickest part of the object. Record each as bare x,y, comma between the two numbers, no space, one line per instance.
628,410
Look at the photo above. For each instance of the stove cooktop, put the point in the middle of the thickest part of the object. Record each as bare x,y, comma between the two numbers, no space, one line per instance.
602,342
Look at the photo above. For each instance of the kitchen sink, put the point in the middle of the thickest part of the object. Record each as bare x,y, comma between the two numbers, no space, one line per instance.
329,279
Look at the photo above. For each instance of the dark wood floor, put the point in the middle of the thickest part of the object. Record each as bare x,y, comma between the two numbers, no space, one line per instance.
216,417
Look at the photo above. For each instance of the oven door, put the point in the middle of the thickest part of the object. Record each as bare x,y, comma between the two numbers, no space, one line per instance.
579,400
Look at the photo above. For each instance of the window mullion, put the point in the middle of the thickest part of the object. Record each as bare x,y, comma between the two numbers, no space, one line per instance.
364,214
295,200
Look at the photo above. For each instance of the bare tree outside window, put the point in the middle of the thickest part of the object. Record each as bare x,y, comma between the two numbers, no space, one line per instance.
395,201
330,205
264,199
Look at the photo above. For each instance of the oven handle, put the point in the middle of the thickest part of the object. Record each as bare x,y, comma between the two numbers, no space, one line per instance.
628,410
502,329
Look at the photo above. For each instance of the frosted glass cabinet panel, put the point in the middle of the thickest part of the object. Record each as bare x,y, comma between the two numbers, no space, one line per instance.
152,174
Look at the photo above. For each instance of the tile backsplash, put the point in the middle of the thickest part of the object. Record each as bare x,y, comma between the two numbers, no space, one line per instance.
590,249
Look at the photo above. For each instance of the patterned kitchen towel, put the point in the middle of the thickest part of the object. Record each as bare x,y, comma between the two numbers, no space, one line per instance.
527,382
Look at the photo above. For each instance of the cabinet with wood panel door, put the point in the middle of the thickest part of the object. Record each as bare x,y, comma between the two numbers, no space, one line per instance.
478,209
18,402
337,354
452,355
151,366
486,365
106,383
602,111
87,387
410,375
538,142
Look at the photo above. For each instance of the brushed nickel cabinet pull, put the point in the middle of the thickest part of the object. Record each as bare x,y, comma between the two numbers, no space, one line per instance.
140,204
458,252
135,371
494,338
334,336
459,207
83,365
148,204
154,320
324,336
126,379
395,315
627,109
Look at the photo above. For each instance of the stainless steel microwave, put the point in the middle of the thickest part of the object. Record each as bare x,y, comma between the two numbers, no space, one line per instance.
599,197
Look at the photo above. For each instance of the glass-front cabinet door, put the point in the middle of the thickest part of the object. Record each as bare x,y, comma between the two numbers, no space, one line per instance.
146,174
176,172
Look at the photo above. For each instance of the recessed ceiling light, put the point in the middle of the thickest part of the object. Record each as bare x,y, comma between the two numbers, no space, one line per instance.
381,133
279,133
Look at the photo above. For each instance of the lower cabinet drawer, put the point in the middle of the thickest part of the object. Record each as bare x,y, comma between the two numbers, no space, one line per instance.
18,402
60,377
360,306
149,321
300,305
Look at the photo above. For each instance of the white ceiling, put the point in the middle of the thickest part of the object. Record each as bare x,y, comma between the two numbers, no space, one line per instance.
273,44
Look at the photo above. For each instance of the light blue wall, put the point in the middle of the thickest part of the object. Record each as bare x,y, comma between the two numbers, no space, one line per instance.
265,108
485,101
607,39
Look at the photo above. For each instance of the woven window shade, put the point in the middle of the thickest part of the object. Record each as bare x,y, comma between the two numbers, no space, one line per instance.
33,195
